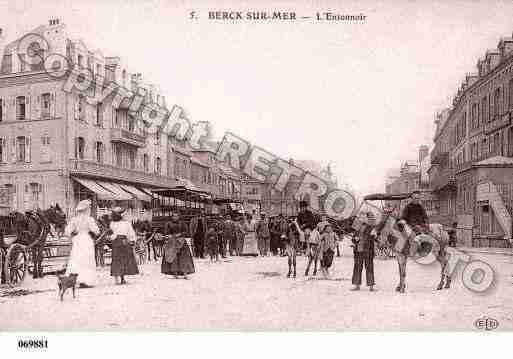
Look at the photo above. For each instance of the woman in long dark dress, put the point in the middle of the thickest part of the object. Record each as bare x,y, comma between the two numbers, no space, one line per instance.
123,257
177,258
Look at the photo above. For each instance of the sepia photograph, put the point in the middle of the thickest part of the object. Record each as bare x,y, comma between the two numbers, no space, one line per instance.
271,166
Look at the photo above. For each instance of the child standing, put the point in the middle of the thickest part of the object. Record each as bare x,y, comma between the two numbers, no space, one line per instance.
212,244
327,248
313,250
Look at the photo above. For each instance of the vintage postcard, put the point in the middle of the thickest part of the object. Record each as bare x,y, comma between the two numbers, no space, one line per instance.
255,166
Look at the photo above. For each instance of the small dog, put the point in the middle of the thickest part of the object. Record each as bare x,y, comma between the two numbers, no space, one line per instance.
64,282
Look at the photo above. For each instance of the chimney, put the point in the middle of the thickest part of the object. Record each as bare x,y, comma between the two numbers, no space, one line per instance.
53,22
423,152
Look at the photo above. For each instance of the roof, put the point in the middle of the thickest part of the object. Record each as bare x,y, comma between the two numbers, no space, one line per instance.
496,160
386,196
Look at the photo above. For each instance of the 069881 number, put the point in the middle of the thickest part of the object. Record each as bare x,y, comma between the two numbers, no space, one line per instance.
33,344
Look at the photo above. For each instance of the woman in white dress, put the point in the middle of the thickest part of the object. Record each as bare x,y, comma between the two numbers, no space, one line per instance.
250,247
81,260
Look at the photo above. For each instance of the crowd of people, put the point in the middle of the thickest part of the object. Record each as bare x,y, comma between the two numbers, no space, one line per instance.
233,235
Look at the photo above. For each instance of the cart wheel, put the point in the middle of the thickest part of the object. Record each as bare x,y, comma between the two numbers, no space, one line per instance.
15,266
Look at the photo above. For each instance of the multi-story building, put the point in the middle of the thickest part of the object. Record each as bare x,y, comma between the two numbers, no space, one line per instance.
56,147
472,161
413,176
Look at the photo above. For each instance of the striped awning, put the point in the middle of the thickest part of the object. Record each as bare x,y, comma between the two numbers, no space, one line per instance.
102,193
137,193
114,188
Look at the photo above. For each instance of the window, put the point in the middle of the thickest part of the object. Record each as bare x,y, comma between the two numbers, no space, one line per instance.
1,110
99,152
22,149
35,192
473,117
81,107
510,92
132,156
146,163
131,124
80,148
6,64
80,60
3,150
118,154
498,143
45,105
45,149
157,138
20,108
158,165
484,148
496,103
98,69
99,115
484,109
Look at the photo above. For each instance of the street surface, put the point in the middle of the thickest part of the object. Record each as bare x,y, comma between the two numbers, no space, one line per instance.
245,293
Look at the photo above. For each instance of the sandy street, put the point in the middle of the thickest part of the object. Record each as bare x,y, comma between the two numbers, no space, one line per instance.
254,294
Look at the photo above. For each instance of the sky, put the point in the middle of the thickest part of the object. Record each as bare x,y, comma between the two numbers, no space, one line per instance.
359,95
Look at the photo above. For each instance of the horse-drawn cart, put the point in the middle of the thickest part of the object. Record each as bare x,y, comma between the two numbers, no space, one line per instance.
23,243
13,256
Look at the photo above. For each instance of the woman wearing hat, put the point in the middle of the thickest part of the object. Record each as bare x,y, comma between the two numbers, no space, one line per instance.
81,260
123,257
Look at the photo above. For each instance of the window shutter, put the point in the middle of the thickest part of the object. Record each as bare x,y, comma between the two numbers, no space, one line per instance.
27,149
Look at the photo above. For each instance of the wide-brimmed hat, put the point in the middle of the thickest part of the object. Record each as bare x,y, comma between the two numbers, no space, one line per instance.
371,216
118,210
83,205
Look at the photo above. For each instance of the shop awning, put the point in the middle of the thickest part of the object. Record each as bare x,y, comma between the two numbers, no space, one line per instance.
137,193
122,195
102,193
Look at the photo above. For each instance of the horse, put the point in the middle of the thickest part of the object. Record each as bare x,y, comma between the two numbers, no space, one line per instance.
32,229
409,242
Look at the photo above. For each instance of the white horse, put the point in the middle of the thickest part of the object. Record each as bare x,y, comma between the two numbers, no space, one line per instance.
405,243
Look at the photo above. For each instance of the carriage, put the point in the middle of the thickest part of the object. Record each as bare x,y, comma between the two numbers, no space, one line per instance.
13,256
23,249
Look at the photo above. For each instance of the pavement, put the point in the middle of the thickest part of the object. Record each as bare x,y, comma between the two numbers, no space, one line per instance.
246,293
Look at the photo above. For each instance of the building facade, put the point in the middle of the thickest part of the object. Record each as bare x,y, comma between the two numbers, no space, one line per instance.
57,147
472,160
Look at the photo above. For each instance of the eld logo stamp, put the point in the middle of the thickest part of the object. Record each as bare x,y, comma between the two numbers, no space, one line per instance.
486,323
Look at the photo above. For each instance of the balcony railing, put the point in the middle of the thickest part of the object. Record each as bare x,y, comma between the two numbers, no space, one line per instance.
94,169
128,137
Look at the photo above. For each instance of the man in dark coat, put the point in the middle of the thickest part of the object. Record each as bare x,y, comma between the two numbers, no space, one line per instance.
198,230
414,213
363,249
306,221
